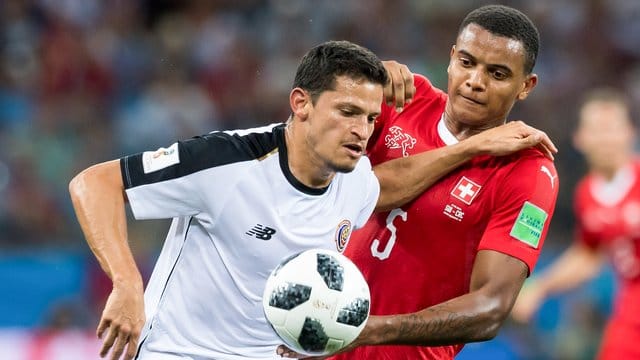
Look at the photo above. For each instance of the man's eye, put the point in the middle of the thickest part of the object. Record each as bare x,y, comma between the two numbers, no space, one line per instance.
499,75
465,62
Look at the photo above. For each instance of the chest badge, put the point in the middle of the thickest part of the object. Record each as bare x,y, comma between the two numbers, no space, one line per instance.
465,190
398,139
343,231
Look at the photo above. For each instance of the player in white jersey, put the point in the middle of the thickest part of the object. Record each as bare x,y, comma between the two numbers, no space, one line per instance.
243,200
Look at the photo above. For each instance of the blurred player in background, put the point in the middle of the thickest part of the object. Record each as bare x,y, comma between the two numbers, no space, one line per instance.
445,269
242,201
607,210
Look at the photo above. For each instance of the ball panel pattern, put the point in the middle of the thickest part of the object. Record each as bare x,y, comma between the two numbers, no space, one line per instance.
289,295
313,337
354,313
331,271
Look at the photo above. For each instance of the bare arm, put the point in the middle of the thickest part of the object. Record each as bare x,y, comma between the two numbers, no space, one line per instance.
476,316
574,267
403,179
98,198
496,280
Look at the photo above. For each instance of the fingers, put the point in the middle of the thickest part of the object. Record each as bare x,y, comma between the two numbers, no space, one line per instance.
538,139
112,334
546,141
285,352
102,326
117,340
546,151
132,348
409,86
119,345
400,89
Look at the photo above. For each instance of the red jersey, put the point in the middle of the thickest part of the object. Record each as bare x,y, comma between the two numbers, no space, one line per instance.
608,218
422,254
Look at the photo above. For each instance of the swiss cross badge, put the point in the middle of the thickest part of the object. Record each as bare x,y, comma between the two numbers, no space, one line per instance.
465,190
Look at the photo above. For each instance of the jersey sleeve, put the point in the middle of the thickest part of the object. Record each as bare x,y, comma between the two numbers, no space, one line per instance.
169,182
524,205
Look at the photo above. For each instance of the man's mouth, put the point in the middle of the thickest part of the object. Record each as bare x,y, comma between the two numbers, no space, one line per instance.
356,149
472,100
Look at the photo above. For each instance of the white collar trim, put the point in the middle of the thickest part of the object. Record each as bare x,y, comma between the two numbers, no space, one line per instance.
611,192
445,134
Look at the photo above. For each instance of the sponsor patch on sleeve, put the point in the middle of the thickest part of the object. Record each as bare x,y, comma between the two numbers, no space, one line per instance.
529,224
160,159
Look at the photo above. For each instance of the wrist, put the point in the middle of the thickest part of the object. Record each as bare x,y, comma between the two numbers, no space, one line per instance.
378,331
464,151
130,281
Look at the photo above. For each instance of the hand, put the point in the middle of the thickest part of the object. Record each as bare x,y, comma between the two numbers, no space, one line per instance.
512,137
527,303
400,89
286,352
123,318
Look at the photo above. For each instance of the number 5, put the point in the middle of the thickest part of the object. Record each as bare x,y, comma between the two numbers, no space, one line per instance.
392,239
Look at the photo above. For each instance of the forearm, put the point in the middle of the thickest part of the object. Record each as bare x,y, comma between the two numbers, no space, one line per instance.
573,268
403,179
468,318
98,200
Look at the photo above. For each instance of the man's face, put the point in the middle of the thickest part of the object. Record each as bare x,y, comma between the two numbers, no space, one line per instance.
486,77
605,134
341,122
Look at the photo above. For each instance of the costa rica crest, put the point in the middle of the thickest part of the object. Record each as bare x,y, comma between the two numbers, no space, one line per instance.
342,235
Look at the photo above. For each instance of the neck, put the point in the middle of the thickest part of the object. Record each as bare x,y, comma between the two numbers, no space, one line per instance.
462,130
610,172
304,166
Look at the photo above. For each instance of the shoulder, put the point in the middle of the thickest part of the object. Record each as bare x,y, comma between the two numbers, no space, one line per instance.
212,150
530,169
530,160
225,147
424,87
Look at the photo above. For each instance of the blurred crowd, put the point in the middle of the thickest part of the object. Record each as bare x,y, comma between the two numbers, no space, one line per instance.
84,81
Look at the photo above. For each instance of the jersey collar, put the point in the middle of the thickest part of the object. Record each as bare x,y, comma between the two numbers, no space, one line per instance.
286,171
612,192
445,135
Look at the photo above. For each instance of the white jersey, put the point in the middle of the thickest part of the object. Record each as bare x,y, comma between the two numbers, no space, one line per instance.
237,212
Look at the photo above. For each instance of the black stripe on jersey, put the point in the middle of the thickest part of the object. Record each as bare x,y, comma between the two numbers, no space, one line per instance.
204,152
164,288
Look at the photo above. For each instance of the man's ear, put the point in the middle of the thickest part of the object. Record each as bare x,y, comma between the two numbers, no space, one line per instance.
529,84
300,102
453,50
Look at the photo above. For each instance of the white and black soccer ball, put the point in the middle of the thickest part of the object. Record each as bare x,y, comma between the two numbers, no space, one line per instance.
317,301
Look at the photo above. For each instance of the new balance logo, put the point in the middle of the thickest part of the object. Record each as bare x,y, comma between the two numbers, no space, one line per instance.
261,232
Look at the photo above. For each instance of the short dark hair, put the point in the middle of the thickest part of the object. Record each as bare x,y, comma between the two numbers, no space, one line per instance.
320,66
508,22
605,94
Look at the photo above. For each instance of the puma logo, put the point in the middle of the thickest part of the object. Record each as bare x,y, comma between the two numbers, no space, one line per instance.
552,177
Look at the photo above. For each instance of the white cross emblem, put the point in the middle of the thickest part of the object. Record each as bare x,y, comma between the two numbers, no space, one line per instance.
465,190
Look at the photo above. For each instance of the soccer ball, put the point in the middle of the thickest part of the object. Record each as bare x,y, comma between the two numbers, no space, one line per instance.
317,301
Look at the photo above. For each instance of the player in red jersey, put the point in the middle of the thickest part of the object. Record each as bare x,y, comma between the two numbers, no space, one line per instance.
445,269
607,209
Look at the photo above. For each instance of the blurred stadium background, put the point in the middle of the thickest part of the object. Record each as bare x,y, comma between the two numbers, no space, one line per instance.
83,81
